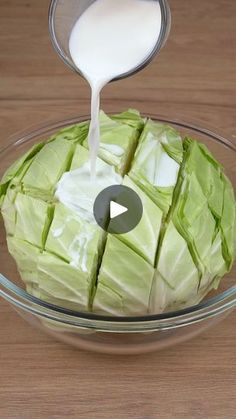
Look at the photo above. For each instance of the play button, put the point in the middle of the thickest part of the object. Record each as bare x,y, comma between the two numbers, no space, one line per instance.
118,209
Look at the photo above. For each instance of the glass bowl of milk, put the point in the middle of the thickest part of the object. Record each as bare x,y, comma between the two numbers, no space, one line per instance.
138,29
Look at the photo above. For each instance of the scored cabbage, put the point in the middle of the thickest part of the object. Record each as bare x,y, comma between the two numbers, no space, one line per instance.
182,247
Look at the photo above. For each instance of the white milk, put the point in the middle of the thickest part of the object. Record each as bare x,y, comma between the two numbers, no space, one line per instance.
111,38
77,191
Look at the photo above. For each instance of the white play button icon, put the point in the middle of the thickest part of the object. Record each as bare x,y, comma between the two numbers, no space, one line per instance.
116,209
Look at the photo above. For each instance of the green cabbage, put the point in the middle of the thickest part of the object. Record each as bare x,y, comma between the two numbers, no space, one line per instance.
182,247
119,137
124,281
156,163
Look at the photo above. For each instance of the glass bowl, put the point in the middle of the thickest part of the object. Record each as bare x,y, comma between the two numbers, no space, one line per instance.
115,334
63,14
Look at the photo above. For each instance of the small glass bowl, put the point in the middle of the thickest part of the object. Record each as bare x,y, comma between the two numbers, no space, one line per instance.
63,15
130,335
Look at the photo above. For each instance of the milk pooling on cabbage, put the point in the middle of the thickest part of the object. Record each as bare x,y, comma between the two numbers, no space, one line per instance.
110,39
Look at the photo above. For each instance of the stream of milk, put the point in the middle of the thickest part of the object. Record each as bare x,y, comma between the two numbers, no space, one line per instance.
111,38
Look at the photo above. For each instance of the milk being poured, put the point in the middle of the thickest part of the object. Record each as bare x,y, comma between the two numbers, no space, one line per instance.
111,38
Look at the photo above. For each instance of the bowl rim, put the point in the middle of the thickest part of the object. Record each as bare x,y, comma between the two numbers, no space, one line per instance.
208,308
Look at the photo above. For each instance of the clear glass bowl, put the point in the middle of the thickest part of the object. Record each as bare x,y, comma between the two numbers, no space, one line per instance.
63,14
109,334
